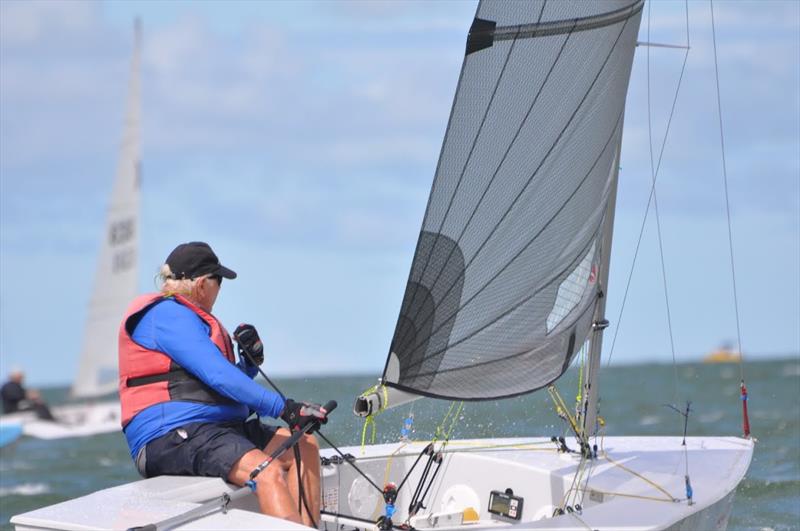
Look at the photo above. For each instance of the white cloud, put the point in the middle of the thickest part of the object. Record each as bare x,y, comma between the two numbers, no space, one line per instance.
27,22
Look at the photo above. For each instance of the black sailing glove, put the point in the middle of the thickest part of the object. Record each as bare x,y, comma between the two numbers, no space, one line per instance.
299,414
249,343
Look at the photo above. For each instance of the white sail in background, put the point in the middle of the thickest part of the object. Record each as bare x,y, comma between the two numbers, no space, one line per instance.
117,267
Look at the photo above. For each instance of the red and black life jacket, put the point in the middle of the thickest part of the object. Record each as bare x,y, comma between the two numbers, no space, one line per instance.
148,376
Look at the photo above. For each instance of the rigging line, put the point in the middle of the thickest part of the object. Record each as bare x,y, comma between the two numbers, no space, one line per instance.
650,482
613,134
497,171
650,198
592,465
518,196
727,200
581,520
464,168
658,220
578,472
351,462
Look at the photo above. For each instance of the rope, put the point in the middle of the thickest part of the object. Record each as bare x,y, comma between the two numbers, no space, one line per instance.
439,433
571,489
639,496
562,411
658,220
388,468
745,419
453,421
655,485
727,199
652,193
580,377
369,420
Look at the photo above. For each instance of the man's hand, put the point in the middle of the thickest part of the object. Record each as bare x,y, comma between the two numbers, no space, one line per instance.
249,343
299,414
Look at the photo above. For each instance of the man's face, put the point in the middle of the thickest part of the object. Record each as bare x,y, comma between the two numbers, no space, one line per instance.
207,291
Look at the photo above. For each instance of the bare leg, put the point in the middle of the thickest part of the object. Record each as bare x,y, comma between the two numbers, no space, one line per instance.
309,473
309,459
272,489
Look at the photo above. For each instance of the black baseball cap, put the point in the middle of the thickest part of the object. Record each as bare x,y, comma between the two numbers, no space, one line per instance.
195,259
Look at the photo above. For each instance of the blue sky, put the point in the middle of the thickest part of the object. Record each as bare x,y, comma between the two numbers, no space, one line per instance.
300,140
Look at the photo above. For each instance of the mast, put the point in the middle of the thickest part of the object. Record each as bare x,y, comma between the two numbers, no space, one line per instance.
591,387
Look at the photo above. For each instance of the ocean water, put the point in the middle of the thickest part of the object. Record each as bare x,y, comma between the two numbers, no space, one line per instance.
35,473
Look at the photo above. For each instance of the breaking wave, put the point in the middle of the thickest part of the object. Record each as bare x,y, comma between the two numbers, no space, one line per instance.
25,489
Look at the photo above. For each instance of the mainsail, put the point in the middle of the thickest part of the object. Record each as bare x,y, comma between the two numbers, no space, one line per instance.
506,273
117,272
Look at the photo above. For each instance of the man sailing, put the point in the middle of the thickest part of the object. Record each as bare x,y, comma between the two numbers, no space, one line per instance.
186,400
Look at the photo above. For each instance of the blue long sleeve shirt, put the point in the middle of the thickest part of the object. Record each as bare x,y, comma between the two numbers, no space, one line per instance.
181,334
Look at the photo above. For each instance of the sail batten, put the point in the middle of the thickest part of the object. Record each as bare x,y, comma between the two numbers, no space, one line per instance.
503,282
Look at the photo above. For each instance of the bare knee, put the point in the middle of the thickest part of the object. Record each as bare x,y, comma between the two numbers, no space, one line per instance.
272,477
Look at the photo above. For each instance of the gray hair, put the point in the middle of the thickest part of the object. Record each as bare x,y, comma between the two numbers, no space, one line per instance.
174,286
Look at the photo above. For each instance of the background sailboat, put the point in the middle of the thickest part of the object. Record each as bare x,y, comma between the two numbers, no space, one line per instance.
115,285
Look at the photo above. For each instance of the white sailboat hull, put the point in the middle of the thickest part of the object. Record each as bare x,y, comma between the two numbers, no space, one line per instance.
630,486
72,420
76,420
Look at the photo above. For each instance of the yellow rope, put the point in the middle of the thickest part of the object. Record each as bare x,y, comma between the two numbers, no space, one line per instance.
580,376
639,496
634,473
453,421
369,420
389,463
520,446
561,408
440,428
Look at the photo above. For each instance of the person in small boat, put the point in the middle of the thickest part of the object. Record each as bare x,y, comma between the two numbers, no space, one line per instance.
16,398
186,402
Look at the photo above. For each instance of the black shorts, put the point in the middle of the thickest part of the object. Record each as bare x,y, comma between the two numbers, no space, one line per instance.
203,449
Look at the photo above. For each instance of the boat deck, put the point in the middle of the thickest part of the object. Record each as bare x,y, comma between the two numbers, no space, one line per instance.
636,483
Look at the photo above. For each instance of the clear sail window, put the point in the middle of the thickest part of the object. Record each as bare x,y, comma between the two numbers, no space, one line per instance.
571,290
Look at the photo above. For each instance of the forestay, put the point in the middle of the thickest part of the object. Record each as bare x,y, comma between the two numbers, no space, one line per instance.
505,274
116,275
